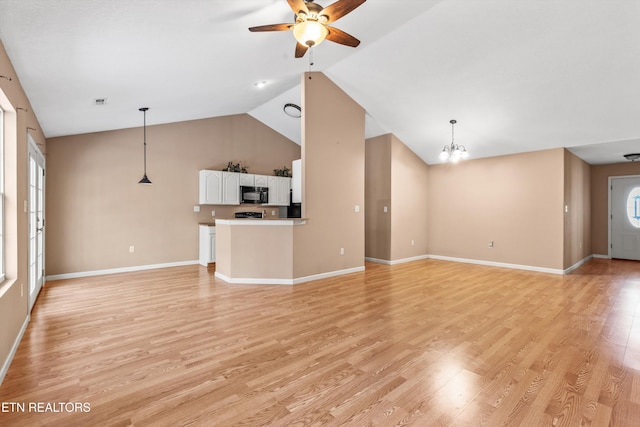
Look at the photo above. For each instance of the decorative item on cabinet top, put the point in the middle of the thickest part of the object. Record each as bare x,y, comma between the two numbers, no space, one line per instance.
285,171
235,167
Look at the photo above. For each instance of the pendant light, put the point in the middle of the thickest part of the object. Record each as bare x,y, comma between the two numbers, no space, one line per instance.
144,179
454,152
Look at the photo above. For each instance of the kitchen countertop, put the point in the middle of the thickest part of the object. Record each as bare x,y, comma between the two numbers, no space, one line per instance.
246,220
262,221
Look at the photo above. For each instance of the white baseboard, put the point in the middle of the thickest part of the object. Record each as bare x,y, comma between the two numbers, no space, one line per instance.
499,264
276,281
601,256
119,270
328,274
253,281
577,264
14,348
396,261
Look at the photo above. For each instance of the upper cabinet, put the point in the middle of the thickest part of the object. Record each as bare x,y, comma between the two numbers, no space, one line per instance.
247,180
223,188
210,187
261,180
279,190
230,188
296,181
219,188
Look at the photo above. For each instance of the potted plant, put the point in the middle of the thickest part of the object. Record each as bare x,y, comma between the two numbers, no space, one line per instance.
235,167
284,171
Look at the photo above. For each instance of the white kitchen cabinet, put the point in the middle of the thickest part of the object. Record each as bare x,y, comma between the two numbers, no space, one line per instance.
230,188
261,181
219,188
279,187
247,179
207,253
296,181
210,187
284,191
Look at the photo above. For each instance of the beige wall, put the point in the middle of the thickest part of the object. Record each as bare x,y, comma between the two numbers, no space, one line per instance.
273,259
96,209
14,306
409,203
397,179
333,180
516,201
577,215
600,201
377,196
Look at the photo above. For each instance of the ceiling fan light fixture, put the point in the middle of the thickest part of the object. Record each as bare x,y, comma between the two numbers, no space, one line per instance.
310,32
632,156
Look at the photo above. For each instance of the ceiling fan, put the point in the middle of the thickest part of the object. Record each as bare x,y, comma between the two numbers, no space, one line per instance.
311,24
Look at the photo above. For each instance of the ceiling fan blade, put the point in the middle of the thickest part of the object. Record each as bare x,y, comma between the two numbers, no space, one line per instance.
337,10
301,49
272,27
339,36
297,6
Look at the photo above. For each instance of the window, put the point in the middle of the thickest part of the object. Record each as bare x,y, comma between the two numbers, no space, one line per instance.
633,207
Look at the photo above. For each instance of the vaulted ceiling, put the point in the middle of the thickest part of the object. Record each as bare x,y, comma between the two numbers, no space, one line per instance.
517,75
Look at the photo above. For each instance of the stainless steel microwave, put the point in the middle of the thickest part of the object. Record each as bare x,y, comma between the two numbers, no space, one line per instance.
256,195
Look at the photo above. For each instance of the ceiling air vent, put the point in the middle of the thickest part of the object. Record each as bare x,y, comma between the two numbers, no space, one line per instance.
100,101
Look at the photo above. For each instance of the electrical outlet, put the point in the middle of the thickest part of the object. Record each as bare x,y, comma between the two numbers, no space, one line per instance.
357,208
213,213
273,213
413,242
385,209
196,208
132,249
341,251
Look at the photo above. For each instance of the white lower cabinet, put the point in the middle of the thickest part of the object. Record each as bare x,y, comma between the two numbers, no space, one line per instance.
207,253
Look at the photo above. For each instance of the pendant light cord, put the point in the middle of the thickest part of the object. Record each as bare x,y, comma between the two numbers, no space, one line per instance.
144,126
145,179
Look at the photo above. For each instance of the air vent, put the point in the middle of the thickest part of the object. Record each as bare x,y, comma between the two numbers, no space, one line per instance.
100,101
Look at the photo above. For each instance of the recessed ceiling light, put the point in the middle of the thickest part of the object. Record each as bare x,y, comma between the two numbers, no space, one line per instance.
261,84
292,110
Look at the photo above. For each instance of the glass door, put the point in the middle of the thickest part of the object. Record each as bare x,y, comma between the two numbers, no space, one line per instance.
36,221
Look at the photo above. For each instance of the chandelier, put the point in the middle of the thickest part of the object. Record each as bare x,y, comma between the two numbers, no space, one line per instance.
454,152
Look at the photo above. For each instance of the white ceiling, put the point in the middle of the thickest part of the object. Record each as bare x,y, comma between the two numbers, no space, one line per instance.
517,75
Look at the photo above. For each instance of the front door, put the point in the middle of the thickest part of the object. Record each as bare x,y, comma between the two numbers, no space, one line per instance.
625,217
36,221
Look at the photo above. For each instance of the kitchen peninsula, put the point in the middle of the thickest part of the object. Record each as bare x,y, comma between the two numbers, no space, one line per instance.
256,250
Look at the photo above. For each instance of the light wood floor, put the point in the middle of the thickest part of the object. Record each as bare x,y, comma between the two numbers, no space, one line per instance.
423,343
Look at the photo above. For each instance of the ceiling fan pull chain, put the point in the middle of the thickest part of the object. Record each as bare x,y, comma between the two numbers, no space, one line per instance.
310,58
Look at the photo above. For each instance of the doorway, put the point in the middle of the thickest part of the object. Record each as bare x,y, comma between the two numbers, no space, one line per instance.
36,214
624,217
